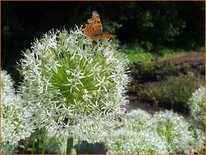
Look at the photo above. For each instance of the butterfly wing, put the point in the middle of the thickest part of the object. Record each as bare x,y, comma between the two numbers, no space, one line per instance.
94,29
102,36
88,30
96,22
107,36
94,25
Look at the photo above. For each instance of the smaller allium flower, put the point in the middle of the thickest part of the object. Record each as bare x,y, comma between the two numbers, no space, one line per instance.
138,120
124,141
197,106
197,109
198,143
94,130
174,129
14,117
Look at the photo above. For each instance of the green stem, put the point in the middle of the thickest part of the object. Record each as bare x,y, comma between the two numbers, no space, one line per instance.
44,141
78,146
69,145
37,146
26,142
33,144
87,147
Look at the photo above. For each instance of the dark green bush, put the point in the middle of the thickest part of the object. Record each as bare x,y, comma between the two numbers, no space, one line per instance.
173,92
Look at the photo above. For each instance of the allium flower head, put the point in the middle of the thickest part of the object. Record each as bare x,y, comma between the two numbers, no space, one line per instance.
14,117
138,120
197,106
124,141
197,109
199,139
174,129
67,77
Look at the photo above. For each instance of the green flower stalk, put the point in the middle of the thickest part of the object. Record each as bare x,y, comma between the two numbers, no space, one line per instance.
15,117
67,78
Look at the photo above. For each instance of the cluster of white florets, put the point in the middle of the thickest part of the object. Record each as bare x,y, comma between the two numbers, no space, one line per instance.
197,106
164,132
68,78
15,118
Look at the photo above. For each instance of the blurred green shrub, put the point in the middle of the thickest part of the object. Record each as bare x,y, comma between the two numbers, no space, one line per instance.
137,53
173,92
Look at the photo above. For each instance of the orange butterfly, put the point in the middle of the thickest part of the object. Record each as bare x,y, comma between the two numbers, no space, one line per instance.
94,29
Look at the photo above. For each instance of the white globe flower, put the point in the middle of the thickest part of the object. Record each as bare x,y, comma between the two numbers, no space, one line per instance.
124,141
197,106
174,129
70,82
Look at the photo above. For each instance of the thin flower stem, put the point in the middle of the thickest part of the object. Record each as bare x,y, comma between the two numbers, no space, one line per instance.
26,142
69,145
78,146
87,148
33,144
44,141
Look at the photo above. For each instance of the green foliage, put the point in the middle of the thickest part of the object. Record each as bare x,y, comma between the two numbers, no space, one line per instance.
111,26
35,143
173,92
165,54
140,54
137,54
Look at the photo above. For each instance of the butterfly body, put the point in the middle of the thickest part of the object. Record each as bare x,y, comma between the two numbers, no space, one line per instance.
94,30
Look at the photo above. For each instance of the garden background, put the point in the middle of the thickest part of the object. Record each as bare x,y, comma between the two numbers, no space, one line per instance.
164,42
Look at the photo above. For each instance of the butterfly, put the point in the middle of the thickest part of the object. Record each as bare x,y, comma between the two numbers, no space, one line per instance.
94,29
